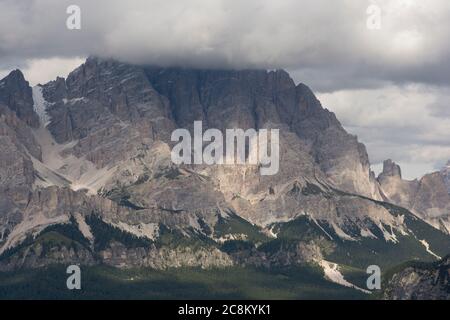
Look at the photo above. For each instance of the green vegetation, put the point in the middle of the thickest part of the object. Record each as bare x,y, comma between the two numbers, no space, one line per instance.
69,230
410,264
66,234
389,273
231,283
439,242
289,234
302,229
105,233
353,275
232,246
357,254
233,224
173,238
385,254
299,282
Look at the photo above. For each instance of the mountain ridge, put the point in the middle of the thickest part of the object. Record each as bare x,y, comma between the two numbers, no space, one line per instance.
100,164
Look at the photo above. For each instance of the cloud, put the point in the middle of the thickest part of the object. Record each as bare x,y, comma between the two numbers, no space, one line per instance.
390,86
309,36
40,71
397,122
441,109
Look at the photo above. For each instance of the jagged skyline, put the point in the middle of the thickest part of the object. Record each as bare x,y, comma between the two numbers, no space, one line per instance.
390,86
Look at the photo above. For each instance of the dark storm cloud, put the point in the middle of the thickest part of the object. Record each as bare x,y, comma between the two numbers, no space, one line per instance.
320,39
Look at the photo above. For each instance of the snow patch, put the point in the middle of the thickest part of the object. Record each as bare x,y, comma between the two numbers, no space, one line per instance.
40,105
271,232
230,237
427,247
333,274
388,236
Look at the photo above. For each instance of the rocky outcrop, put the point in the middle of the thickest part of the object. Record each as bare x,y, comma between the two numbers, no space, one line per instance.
390,170
428,197
38,256
15,92
119,256
420,282
17,173
399,191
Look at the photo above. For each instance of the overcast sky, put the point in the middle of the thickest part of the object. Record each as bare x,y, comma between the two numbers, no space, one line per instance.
390,86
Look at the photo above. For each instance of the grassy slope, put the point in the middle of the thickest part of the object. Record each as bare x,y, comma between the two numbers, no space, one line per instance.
232,283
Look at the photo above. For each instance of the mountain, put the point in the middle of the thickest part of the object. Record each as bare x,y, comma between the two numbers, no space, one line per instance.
86,177
428,198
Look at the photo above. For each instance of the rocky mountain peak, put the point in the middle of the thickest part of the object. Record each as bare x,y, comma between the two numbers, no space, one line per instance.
428,197
15,76
16,93
391,169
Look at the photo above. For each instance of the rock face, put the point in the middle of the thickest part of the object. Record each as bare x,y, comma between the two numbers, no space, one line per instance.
390,170
428,197
420,282
445,172
95,173
16,94
259,99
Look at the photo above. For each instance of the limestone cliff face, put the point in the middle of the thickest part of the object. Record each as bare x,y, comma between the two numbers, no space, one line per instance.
17,174
258,99
390,170
109,108
104,101
428,197
445,172
397,190
15,92
101,147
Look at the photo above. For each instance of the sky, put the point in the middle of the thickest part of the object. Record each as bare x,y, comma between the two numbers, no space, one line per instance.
389,85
